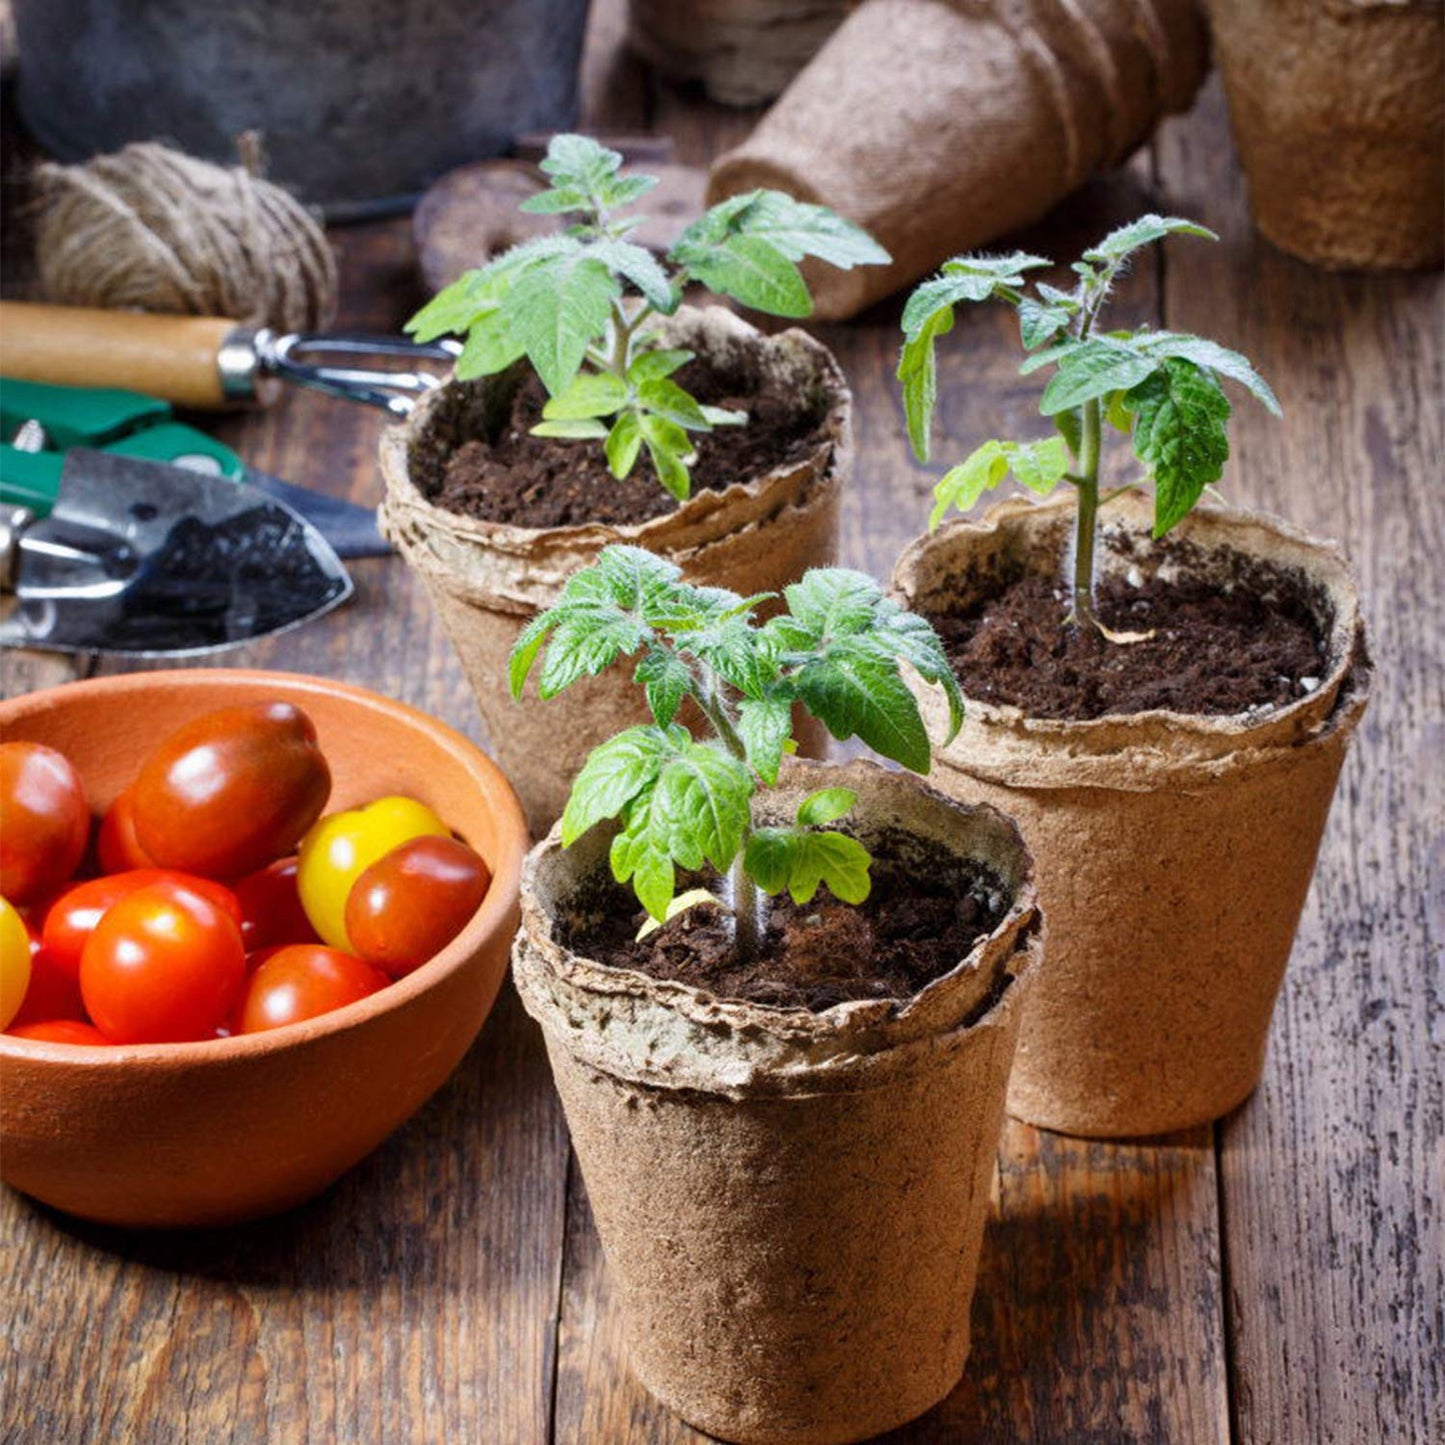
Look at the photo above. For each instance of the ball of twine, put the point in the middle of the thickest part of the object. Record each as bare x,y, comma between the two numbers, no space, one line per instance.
155,229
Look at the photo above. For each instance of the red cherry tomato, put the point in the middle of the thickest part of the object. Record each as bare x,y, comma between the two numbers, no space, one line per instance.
53,993
44,821
411,903
61,1031
301,982
118,847
164,965
74,915
230,791
271,911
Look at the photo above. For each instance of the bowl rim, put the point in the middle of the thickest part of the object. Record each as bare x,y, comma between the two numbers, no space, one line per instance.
497,914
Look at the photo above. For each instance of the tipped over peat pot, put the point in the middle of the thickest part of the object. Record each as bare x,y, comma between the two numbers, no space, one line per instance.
1174,850
791,1203
488,579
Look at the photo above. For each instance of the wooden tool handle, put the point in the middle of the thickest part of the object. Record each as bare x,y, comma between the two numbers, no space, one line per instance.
172,357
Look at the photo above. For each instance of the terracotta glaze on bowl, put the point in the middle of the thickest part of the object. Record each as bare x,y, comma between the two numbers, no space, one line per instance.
222,1131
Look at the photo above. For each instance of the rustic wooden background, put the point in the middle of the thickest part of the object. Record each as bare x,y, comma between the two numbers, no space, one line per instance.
1273,1280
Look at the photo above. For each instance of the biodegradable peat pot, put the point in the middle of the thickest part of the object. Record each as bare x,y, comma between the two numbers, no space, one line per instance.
791,1203
215,1132
938,126
1174,851
489,579
1338,109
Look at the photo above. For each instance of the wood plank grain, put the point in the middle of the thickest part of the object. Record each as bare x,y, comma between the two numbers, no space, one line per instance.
1332,1174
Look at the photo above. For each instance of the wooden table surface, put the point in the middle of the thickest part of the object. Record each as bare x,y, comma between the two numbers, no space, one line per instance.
1275,1279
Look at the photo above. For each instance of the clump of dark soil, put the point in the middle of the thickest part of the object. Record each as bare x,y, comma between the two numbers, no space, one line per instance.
917,924
531,481
1217,649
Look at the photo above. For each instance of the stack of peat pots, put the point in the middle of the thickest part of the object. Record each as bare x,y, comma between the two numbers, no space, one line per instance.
489,579
791,1203
1174,851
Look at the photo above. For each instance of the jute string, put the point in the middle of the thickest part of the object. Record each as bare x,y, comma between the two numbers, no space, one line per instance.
155,229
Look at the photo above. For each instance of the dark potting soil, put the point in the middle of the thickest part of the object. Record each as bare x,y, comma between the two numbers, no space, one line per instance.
919,922
1216,650
531,481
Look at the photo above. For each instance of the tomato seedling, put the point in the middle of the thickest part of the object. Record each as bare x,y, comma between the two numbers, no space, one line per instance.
576,305
682,802
1160,388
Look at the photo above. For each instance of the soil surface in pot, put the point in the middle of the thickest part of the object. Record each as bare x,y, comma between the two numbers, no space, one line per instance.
920,921
1217,649
530,481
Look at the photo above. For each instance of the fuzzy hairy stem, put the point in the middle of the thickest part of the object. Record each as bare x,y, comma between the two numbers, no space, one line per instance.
744,894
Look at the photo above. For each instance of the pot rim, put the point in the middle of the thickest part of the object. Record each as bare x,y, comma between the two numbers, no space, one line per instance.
1112,731
495,917
397,443
789,1046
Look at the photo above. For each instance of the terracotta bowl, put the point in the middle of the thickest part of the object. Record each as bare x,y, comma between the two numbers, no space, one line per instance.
217,1132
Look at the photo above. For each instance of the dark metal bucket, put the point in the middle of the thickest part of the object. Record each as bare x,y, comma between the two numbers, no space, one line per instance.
361,103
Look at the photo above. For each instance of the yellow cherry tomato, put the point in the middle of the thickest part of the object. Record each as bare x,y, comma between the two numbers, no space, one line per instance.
341,847
14,962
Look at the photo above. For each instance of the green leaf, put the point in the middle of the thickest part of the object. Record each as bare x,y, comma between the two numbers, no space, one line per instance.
909,636
1070,427
735,650
556,308
1147,229
833,602
584,642
591,394
1180,434
827,805
1117,414
961,486
1214,358
624,442
524,651
779,858
640,267
667,399
755,274
799,229
640,853
557,201
488,349
454,308
623,190
1040,466
765,725
832,858
655,364
768,860
615,773
853,691
918,371
666,681
1039,323
670,449
1091,370
583,429
580,162
702,806
632,577
1049,356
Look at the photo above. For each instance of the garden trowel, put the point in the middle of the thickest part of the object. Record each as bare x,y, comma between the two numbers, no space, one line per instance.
145,559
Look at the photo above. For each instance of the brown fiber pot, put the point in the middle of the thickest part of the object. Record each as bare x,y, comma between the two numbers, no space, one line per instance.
1338,109
488,580
217,1132
1174,851
938,125
791,1204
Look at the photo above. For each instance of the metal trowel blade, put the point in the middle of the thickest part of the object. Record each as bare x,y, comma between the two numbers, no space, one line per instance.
148,560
